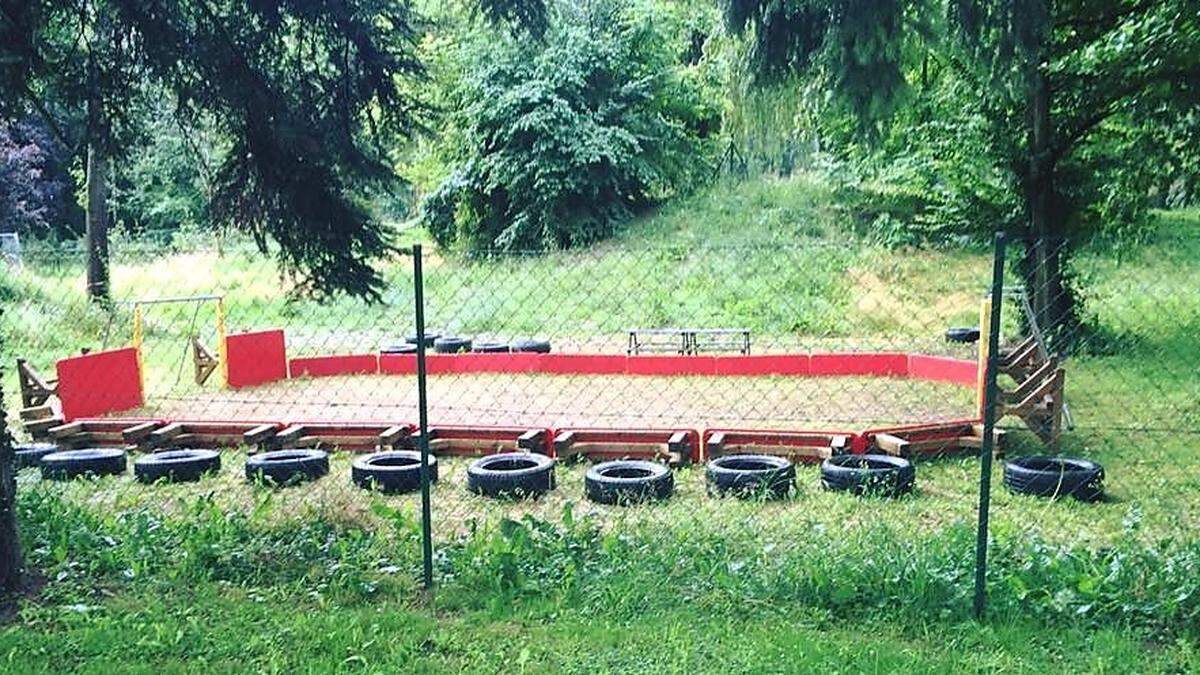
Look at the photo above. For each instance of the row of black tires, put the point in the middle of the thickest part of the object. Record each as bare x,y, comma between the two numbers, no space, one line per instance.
523,475
453,344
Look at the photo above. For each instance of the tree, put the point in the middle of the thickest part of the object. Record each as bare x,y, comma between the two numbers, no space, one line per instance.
553,144
306,91
10,545
1049,74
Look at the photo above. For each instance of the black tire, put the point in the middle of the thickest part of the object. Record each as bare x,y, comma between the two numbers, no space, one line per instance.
430,338
392,472
628,482
30,454
517,475
451,345
287,467
964,334
176,466
405,348
491,348
535,346
881,475
1046,476
68,464
750,476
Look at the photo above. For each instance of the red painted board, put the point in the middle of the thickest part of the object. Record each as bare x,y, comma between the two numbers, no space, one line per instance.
583,364
943,369
881,364
99,383
398,364
671,365
319,366
763,364
255,358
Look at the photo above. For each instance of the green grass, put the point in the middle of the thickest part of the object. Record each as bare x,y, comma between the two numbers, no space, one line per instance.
227,577
209,629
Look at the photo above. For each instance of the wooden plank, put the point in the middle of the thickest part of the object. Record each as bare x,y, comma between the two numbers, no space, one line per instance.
564,441
393,434
37,412
259,434
138,432
166,433
892,445
65,430
533,440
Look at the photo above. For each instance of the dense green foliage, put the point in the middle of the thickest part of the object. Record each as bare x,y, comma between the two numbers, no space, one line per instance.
303,92
553,144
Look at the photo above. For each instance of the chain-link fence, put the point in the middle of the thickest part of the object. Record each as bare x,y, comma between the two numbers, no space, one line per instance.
677,354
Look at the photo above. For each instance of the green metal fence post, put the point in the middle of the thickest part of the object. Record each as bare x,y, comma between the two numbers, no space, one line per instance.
423,416
989,425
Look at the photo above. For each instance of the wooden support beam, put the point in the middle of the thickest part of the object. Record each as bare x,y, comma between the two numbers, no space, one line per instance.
533,440
259,434
138,432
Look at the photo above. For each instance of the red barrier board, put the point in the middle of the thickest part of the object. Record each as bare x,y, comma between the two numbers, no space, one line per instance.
318,366
881,364
671,365
99,383
583,364
255,358
943,369
764,364
398,364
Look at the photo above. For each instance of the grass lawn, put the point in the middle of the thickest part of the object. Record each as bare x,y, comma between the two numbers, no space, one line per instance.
225,576
208,629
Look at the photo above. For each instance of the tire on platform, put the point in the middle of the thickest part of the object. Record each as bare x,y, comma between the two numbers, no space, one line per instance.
879,475
391,472
430,338
406,348
68,464
451,345
1045,476
533,346
515,475
30,454
176,466
287,467
491,348
627,482
750,476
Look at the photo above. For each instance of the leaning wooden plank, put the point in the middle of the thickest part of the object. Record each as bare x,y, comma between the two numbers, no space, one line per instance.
393,434
65,430
37,412
259,434
166,433
138,432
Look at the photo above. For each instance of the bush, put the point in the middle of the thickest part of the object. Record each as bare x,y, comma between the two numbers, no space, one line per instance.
555,143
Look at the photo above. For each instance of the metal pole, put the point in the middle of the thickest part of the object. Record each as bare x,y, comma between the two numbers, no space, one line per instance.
423,415
989,425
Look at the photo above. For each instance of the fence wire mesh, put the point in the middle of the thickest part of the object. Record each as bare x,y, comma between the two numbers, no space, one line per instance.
643,337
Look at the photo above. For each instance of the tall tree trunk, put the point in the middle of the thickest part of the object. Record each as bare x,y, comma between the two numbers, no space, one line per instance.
1046,248
11,562
97,194
97,222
